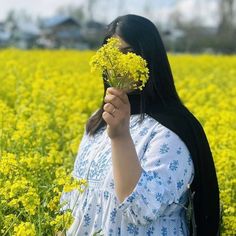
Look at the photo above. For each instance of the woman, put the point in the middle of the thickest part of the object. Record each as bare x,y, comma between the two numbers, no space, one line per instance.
141,151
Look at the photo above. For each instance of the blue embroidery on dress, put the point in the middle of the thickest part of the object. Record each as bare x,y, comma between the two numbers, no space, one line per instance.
156,175
112,185
189,159
157,163
86,220
89,206
150,177
113,215
164,231
150,231
174,165
169,181
132,229
131,198
145,147
80,166
185,171
179,151
164,148
148,219
152,135
167,134
144,131
180,184
106,194
84,204
175,231
99,209
110,232
159,197
99,167
144,200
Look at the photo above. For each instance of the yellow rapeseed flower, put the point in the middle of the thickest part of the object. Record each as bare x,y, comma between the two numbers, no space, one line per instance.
121,70
24,228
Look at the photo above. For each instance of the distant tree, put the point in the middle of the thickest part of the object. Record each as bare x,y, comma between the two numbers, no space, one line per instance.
18,15
198,38
191,29
15,16
176,19
227,10
227,26
11,16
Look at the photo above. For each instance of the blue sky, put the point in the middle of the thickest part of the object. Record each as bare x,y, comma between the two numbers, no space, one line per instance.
159,10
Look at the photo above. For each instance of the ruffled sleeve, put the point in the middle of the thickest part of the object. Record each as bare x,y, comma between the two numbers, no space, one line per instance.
167,171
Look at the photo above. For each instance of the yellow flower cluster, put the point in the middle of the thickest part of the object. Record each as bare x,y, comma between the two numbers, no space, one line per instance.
45,99
26,229
62,221
121,70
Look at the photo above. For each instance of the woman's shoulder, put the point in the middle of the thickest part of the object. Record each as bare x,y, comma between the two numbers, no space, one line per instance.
153,124
159,131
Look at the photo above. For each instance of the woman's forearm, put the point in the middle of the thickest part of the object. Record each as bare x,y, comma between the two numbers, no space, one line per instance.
126,166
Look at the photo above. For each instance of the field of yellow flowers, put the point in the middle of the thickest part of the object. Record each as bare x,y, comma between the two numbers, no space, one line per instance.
46,98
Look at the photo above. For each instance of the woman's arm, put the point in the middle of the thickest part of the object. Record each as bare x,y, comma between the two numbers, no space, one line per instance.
126,166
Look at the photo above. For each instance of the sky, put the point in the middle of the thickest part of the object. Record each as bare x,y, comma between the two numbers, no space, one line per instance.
158,10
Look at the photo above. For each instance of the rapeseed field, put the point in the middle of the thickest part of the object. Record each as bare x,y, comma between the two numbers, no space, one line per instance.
45,99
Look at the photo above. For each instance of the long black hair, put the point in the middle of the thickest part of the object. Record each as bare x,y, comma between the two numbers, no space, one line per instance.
145,40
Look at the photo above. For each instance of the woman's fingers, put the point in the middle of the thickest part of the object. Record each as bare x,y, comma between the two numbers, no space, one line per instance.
116,112
110,120
119,93
108,107
114,100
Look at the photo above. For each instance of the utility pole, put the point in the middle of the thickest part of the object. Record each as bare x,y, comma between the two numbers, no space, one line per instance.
90,8
227,10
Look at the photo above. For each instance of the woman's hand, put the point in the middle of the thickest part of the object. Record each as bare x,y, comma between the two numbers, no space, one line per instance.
117,113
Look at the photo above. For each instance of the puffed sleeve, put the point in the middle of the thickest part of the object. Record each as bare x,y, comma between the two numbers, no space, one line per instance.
167,169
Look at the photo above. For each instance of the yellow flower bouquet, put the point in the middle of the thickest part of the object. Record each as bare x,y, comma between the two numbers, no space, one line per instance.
124,71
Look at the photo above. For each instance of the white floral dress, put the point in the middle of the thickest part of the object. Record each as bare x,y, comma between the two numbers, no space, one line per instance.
157,204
